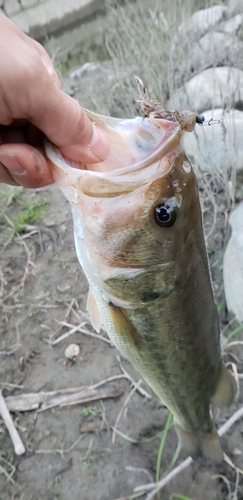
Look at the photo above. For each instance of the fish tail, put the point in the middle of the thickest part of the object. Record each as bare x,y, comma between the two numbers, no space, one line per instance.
206,445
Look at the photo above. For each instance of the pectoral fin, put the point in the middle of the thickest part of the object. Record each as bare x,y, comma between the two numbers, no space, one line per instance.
224,394
124,330
94,313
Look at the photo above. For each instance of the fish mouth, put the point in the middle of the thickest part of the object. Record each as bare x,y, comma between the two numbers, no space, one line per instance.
135,144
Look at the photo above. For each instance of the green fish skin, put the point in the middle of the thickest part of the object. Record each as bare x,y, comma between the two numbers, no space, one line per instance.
150,285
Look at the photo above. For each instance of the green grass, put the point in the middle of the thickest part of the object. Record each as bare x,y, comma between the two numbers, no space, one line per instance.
137,441
92,412
221,305
179,496
234,332
32,211
168,425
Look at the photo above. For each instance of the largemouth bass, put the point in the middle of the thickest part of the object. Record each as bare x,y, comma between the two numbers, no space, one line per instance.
140,241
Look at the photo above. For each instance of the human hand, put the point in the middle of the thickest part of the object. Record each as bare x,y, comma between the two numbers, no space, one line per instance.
33,106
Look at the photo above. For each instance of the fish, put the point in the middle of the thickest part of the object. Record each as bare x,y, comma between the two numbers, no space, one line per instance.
139,238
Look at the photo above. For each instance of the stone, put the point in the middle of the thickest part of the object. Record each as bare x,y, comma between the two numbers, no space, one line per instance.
212,88
53,15
26,4
233,265
215,49
11,7
1,3
202,20
235,6
217,147
233,26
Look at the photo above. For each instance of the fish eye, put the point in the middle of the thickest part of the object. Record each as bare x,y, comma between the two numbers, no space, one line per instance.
165,214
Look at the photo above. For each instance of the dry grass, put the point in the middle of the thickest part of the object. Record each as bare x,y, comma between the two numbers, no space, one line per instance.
142,39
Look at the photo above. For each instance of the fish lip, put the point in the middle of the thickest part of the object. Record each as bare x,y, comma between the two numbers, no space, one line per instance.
169,142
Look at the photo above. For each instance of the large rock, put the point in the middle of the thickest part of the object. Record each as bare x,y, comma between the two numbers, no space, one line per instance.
11,7
26,4
233,26
233,265
212,88
215,49
218,146
235,6
201,21
52,15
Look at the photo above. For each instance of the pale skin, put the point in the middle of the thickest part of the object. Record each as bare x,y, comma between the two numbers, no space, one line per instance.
33,107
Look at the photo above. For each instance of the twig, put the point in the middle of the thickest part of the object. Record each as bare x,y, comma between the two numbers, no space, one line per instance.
9,476
232,465
236,377
42,401
87,332
158,486
11,350
226,426
74,329
141,470
15,437
65,335
56,450
121,412
226,481
88,450
236,342
14,386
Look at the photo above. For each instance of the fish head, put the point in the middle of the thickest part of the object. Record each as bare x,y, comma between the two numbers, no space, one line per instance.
133,212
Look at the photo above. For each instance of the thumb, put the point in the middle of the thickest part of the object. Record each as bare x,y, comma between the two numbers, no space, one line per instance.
66,124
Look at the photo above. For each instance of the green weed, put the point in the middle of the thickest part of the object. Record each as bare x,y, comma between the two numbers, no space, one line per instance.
87,462
168,425
234,332
92,412
32,211
179,496
221,305
137,441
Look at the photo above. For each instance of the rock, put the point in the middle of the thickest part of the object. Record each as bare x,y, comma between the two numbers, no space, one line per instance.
68,85
235,5
89,69
72,351
202,20
215,49
233,265
52,15
212,88
233,26
11,7
26,4
217,147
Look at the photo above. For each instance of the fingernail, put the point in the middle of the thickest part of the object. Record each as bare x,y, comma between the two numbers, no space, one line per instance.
99,146
12,163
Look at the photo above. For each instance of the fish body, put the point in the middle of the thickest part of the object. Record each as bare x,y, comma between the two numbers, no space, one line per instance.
139,238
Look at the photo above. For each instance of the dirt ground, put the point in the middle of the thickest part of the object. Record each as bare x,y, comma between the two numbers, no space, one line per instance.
41,286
